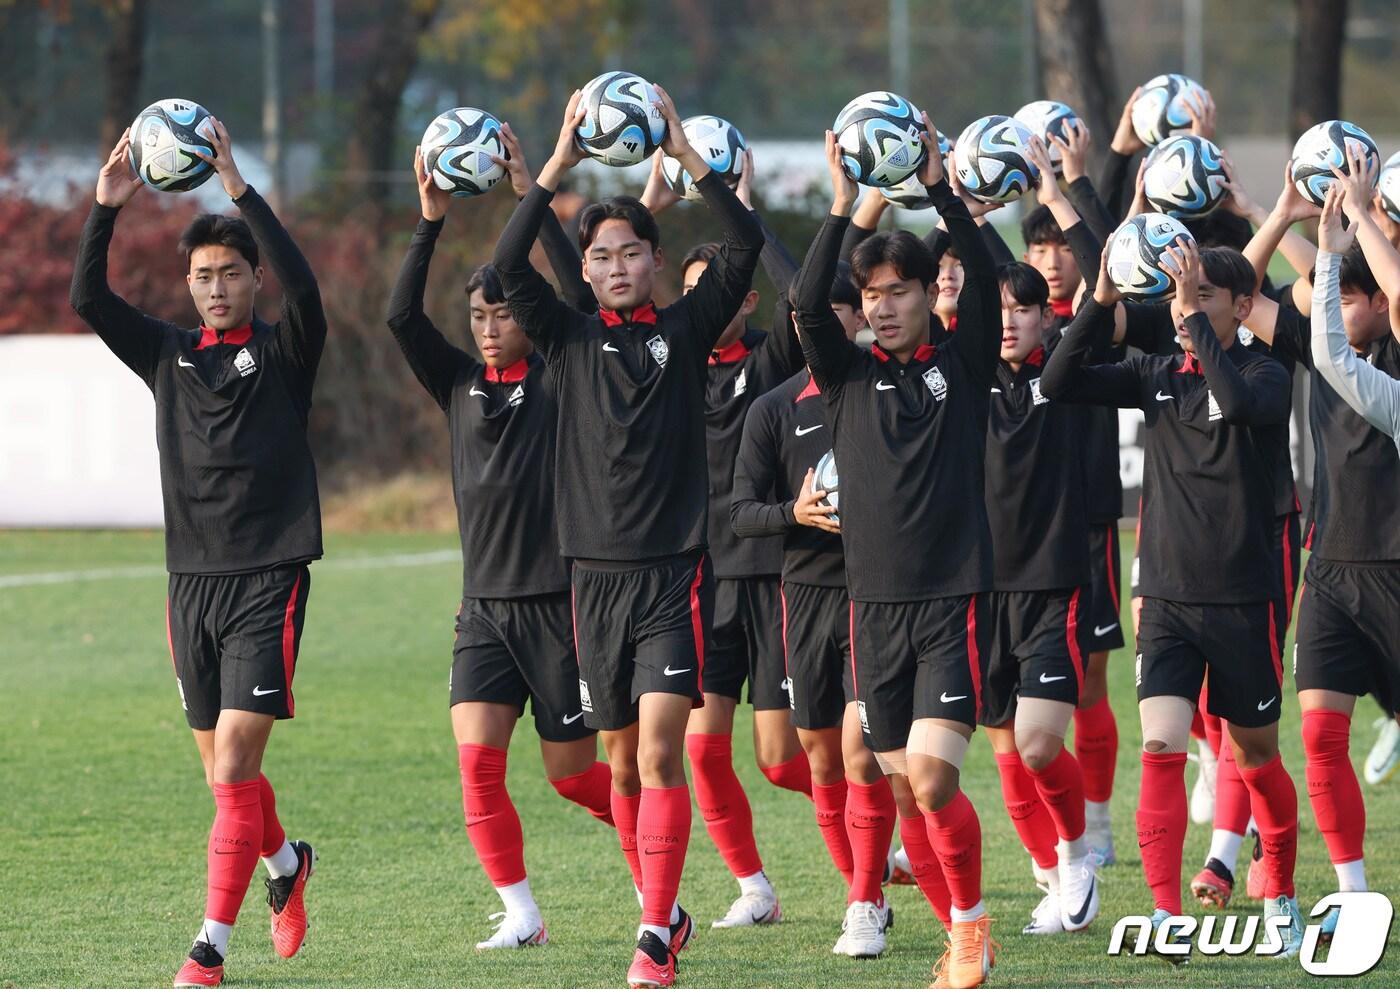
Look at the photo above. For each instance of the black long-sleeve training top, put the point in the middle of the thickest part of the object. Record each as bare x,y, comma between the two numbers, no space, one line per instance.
631,475
238,481
910,439
1208,480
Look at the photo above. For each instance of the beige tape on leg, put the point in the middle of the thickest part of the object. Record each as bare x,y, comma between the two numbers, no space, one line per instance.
1037,714
928,737
893,763
1166,721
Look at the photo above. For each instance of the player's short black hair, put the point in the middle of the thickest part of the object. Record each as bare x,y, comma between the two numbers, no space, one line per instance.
216,230
489,281
627,208
1041,227
1220,228
907,254
1026,285
1354,273
843,289
700,252
1227,268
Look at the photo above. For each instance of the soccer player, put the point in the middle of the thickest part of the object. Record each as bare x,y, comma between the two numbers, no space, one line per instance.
632,495
1208,568
514,625
909,424
242,516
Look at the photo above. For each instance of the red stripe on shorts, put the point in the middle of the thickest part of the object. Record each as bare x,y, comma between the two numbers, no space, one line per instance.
1287,573
973,661
289,644
782,597
697,624
1274,652
1113,568
855,683
1072,637
170,639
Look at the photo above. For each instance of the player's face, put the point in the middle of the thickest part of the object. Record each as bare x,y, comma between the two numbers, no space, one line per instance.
897,309
851,319
735,329
1055,261
222,284
1365,318
1022,328
950,281
1224,311
620,266
498,336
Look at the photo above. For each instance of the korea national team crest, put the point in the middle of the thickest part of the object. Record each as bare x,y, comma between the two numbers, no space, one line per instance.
741,383
517,396
1214,407
1036,397
937,384
585,698
244,363
659,350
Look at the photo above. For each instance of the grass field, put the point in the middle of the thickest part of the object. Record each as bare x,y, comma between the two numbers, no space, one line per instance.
105,814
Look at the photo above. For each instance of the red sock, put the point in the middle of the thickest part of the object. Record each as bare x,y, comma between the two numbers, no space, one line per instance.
924,863
830,800
663,833
1096,746
1332,788
1061,789
492,823
722,803
1198,725
234,843
1161,825
273,836
1231,795
1276,811
624,814
956,836
794,775
1029,815
590,789
870,815
1212,727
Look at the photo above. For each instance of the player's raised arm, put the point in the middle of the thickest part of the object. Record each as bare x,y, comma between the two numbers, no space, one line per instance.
1355,202
1069,377
1083,243
1114,183
1074,153
824,342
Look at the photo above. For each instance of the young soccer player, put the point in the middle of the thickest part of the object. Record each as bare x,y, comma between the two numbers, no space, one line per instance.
242,516
909,423
514,627
632,496
1208,568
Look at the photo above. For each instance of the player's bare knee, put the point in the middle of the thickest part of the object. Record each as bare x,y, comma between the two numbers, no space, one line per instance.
862,767
936,789
1038,749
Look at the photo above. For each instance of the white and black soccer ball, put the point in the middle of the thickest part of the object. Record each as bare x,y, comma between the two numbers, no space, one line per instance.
718,142
911,194
881,138
1047,119
1323,147
622,125
1135,255
164,139
1388,185
1185,177
992,161
827,480
457,150
1160,111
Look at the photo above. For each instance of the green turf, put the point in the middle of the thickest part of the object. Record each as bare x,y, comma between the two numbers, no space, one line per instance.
105,814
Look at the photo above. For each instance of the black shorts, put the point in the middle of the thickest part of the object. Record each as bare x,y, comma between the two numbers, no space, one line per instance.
639,630
817,641
1102,614
1348,636
747,642
1287,539
1039,647
917,659
508,650
234,640
1233,645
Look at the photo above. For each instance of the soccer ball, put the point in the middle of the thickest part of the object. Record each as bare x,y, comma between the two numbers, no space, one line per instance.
164,139
826,480
1388,184
990,159
1135,255
1047,119
911,194
622,125
1160,109
457,150
881,138
1323,147
1185,177
719,143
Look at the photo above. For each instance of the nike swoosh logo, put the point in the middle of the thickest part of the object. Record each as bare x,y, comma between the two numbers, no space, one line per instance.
477,391
571,718
864,827
657,851
1104,630
182,362
883,386
671,673
804,430
259,692
996,391
1078,918
522,941
948,700
1164,398
1048,679
611,349
221,852
1264,705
